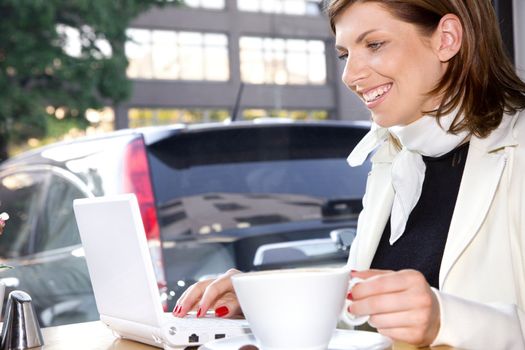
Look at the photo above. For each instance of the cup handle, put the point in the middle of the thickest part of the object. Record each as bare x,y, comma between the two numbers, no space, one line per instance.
346,316
2,294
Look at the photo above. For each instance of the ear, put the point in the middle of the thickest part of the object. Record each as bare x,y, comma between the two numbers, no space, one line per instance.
448,37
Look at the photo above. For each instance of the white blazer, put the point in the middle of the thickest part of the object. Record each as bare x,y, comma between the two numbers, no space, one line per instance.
482,276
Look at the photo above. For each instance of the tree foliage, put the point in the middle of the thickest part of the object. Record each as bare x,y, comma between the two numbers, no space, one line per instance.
38,69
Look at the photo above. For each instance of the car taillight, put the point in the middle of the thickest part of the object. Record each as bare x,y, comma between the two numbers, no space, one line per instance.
137,180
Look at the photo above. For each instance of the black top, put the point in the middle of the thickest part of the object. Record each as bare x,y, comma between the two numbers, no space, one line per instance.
422,244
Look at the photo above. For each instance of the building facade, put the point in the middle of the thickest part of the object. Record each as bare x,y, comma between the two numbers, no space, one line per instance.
209,60
197,62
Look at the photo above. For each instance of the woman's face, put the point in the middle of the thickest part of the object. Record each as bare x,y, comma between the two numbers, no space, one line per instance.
389,64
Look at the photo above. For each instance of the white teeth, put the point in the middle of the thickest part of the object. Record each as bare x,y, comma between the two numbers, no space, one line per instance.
373,95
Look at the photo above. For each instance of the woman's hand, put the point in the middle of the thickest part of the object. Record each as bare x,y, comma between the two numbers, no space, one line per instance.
401,305
3,218
216,293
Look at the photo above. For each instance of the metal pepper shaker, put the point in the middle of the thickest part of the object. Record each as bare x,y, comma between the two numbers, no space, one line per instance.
21,329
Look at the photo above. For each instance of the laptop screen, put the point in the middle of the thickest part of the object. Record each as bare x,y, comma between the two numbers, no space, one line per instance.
118,258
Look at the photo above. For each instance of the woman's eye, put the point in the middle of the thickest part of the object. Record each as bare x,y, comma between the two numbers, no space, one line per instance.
343,56
376,45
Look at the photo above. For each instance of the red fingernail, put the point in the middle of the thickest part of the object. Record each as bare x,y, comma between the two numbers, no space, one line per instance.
199,312
175,309
349,296
179,308
221,311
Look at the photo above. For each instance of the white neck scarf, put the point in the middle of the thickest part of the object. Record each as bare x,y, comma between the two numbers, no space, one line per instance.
422,137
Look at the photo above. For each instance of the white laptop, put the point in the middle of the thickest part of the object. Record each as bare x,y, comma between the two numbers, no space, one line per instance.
124,283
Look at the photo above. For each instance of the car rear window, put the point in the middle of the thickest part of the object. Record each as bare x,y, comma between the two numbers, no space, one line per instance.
216,180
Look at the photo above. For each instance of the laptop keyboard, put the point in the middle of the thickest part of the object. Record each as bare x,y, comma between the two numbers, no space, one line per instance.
207,321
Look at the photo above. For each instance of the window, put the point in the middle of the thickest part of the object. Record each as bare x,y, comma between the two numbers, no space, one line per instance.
205,4
284,113
139,117
282,61
242,177
162,54
21,198
287,7
58,228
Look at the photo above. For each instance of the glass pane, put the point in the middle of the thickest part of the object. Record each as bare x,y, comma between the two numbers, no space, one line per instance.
192,63
252,43
282,61
317,69
294,7
58,228
252,67
278,5
139,36
278,44
138,51
280,113
319,115
248,5
192,3
280,76
167,116
297,66
150,117
163,37
252,60
250,161
139,117
218,115
269,66
220,40
165,63
164,54
20,197
190,39
290,7
313,7
268,44
270,6
316,46
296,45
213,4
216,64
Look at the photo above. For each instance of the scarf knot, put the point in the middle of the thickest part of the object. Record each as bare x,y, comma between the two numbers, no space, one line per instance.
424,137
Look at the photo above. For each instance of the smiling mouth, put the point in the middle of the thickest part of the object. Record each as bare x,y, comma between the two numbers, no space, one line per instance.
376,93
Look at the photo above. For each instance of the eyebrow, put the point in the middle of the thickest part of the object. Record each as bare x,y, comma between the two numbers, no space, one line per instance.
363,35
359,38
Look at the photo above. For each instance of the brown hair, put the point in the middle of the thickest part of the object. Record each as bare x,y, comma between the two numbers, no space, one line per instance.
480,79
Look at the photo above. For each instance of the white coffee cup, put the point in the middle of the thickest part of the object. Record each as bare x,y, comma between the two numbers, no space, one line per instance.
293,309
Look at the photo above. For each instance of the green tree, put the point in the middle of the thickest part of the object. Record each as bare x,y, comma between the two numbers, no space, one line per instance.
38,69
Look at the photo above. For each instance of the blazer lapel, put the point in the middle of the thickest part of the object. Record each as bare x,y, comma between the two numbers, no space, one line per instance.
484,166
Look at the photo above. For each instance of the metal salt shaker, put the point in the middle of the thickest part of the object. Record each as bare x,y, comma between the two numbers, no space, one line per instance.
21,329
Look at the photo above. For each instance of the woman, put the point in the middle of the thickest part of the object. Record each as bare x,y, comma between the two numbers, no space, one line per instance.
441,239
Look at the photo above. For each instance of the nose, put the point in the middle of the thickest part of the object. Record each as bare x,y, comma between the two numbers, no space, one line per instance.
355,70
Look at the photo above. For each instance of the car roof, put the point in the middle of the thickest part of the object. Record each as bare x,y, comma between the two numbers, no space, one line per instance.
153,134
